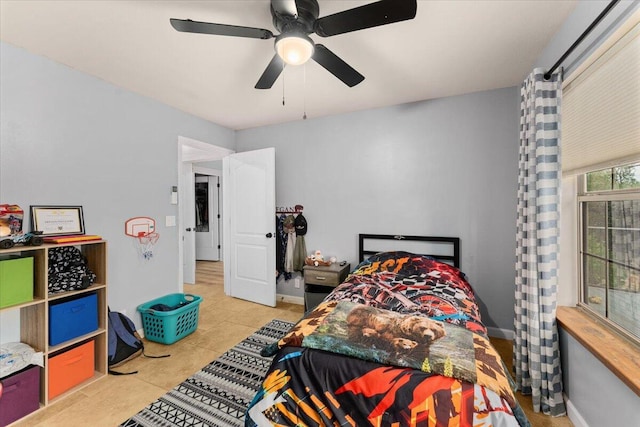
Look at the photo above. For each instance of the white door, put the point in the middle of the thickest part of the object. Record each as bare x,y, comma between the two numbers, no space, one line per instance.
207,216
188,222
248,182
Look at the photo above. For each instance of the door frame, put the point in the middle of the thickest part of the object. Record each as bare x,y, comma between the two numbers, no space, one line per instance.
191,151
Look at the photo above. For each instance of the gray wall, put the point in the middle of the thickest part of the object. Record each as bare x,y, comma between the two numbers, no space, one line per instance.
596,397
71,139
443,167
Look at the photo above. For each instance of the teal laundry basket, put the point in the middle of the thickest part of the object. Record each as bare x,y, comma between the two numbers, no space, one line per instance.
172,325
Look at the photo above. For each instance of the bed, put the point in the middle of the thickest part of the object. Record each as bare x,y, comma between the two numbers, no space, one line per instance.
399,343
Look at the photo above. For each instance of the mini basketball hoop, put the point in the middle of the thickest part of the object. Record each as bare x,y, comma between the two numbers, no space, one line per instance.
139,226
145,244
143,229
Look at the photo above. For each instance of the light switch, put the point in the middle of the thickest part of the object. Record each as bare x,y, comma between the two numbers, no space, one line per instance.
170,221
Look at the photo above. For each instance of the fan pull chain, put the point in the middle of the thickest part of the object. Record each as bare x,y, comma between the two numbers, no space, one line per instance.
304,94
283,83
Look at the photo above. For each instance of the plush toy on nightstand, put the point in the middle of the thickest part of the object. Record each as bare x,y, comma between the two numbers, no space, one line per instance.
317,259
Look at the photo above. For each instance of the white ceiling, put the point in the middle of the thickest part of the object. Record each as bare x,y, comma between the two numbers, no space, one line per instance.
451,47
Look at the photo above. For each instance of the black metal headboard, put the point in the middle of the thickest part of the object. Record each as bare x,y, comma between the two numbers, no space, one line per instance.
448,247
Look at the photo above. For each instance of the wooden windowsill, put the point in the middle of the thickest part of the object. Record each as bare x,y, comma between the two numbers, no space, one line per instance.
619,355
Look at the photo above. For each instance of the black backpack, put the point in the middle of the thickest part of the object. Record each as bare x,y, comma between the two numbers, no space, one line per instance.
68,270
124,342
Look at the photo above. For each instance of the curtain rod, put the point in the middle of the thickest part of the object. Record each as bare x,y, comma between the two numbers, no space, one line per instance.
600,17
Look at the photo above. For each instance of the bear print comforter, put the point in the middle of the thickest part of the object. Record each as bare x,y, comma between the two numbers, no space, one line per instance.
399,343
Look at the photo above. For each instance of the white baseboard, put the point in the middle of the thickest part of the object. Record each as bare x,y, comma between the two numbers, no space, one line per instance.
506,334
574,415
290,299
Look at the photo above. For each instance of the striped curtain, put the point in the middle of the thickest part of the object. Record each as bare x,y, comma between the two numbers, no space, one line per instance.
536,354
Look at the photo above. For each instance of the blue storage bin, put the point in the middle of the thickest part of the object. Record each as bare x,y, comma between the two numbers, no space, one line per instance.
72,318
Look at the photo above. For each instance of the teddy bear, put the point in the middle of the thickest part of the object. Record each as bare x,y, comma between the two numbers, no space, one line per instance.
317,258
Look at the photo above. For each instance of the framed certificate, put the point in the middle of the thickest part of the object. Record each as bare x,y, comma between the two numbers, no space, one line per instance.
57,220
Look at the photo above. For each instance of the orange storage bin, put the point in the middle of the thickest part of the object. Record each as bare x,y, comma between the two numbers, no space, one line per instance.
68,369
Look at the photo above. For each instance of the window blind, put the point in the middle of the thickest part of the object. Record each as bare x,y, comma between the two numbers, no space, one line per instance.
601,108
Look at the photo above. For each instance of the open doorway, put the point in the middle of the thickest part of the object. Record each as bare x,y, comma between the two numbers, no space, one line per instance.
208,215
191,154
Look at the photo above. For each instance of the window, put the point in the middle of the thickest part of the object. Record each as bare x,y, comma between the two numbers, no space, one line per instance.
609,201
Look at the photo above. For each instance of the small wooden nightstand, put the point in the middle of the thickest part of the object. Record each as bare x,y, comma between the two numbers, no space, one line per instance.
321,280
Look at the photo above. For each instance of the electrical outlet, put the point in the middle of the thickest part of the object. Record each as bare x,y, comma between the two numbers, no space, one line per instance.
296,282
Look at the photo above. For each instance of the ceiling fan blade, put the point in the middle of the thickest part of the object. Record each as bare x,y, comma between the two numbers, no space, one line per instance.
285,7
189,26
336,66
371,15
271,73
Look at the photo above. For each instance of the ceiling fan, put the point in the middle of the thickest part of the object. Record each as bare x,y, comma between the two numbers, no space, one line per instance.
296,19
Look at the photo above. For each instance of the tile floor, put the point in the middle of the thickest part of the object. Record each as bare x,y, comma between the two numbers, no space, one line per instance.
223,322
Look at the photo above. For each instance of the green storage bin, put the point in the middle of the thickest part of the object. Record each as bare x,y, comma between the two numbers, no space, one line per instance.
16,280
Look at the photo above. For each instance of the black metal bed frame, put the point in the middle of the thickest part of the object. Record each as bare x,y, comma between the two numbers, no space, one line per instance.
450,241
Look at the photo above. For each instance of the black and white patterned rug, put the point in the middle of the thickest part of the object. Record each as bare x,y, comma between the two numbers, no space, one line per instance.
219,394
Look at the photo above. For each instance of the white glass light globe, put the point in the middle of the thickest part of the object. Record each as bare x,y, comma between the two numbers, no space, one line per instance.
294,49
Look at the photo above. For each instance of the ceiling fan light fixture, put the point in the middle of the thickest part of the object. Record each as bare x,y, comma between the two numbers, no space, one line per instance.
294,49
